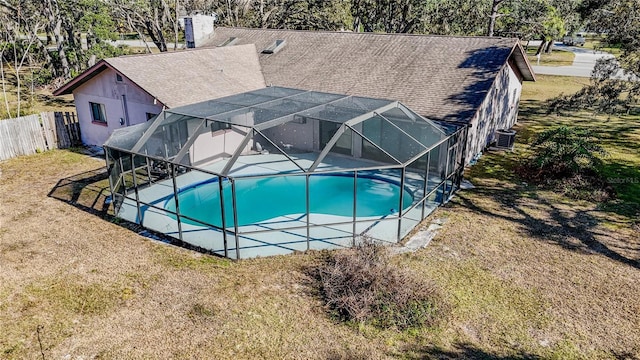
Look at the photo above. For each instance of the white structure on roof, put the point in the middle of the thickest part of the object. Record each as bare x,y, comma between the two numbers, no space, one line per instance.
197,29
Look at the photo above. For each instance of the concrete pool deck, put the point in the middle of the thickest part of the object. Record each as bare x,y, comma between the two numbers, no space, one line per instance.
282,234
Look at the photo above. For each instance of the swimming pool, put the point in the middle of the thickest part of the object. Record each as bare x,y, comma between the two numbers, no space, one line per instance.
259,200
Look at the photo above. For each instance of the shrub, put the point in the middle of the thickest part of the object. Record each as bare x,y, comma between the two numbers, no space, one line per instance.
566,150
562,152
567,158
362,285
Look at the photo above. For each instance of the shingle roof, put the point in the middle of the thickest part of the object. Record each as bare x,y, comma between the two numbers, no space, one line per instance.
185,77
441,77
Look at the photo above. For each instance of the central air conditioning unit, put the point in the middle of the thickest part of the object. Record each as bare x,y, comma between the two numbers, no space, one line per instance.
505,139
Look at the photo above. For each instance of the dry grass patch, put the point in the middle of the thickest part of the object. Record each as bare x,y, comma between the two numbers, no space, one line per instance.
529,273
100,290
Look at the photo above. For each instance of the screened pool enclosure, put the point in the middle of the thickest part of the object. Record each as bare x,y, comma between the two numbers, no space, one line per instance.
279,170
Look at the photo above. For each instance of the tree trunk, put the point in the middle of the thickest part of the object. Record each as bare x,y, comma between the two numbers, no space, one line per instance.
17,70
45,52
72,43
549,47
154,28
55,20
175,29
493,17
4,87
156,35
543,44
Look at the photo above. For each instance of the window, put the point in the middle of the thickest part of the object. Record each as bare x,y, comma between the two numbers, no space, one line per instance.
118,78
219,125
97,113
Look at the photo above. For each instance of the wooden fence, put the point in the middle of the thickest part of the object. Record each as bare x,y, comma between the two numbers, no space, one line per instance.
34,133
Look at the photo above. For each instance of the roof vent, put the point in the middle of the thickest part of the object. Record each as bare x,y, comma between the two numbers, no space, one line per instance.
505,139
275,47
230,41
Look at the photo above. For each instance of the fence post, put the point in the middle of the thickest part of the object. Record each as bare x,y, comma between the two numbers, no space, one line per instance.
63,135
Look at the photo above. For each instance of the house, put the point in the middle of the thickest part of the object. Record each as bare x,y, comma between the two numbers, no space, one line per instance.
381,116
474,81
129,90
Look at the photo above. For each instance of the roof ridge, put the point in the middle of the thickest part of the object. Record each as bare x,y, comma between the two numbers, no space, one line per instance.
179,51
369,33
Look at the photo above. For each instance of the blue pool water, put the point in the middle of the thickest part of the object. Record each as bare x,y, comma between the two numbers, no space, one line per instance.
259,200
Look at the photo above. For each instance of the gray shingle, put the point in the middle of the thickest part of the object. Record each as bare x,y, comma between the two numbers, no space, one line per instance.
441,77
186,77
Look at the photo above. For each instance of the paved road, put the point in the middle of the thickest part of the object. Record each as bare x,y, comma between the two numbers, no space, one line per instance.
582,65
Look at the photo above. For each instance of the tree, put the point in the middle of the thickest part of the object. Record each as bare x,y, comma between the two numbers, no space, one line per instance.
391,16
494,15
66,23
55,24
467,17
532,19
620,20
151,17
19,34
308,15
614,85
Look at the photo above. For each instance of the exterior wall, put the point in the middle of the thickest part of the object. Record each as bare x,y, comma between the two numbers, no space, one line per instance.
498,111
104,89
208,145
211,145
300,136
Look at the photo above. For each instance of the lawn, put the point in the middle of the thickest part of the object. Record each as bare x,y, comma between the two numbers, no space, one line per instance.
556,58
596,44
31,103
527,272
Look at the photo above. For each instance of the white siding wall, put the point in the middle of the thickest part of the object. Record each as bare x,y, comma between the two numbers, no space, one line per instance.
498,111
104,89
210,144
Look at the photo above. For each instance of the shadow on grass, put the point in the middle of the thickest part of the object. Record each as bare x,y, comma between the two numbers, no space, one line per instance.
625,180
468,351
54,101
574,230
88,191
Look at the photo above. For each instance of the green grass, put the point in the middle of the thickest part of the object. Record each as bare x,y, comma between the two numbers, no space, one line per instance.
597,45
556,58
619,135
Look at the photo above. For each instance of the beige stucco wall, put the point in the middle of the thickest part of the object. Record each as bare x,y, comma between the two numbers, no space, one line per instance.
104,89
498,111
